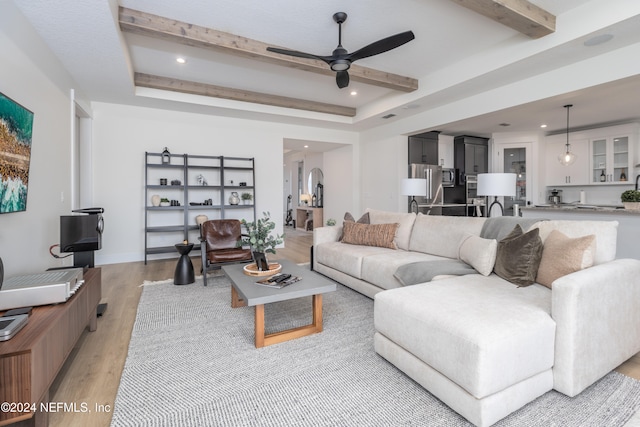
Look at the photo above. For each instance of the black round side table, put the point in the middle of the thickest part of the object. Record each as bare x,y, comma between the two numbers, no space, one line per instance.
184,274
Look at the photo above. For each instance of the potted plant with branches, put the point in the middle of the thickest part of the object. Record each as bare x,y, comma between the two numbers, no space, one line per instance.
259,236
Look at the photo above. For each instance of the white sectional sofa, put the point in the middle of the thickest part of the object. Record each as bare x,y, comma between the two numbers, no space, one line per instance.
481,344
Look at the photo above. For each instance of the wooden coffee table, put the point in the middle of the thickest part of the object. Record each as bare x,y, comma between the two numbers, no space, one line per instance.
245,292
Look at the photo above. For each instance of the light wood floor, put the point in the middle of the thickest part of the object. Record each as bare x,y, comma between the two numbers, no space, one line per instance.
92,372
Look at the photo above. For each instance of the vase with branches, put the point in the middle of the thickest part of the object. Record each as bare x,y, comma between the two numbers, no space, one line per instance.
259,236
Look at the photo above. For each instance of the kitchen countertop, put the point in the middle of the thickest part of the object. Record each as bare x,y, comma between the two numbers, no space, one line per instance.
606,209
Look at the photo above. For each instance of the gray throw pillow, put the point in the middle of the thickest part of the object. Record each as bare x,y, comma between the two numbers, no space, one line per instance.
364,219
518,256
424,271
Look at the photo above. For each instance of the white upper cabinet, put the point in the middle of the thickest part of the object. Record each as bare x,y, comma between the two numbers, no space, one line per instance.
611,160
558,174
605,156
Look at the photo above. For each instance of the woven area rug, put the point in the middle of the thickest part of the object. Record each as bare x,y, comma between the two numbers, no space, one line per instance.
192,362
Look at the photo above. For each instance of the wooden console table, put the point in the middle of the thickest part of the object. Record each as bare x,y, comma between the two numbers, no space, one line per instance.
303,213
30,361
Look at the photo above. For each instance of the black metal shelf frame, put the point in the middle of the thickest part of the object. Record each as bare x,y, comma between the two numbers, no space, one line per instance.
152,163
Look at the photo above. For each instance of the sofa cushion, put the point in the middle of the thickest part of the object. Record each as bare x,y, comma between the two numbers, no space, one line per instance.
364,219
479,253
405,220
441,235
381,235
518,256
379,269
562,255
606,233
482,333
345,258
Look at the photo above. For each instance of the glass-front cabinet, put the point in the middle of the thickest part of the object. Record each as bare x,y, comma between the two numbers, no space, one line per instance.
611,160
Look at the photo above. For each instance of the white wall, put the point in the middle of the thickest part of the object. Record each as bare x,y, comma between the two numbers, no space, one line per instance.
383,165
341,184
121,135
31,76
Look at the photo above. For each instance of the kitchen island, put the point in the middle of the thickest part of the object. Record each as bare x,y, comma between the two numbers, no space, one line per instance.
628,242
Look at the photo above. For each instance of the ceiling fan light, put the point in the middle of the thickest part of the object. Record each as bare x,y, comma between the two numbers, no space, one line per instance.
340,65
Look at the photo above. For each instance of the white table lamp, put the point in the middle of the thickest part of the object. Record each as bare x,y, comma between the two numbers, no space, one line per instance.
413,187
496,184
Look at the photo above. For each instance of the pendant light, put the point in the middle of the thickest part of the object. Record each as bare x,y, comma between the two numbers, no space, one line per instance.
567,158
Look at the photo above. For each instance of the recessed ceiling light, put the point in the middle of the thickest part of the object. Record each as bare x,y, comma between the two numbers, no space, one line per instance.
181,60
599,39
388,116
505,124
354,93
306,146
543,126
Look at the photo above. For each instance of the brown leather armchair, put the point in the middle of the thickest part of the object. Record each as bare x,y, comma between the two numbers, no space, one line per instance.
219,245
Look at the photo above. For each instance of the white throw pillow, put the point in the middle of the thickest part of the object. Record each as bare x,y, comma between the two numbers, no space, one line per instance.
479,253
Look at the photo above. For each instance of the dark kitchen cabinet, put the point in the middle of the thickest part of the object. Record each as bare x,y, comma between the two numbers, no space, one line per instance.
423,148
471,156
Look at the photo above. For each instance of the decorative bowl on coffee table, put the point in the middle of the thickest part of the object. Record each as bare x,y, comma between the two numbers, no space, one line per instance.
252,270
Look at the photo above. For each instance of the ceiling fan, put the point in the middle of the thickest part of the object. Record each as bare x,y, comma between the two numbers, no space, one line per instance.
341,60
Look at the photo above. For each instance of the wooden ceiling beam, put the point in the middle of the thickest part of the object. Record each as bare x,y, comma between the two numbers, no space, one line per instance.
521,15
194,88
137,22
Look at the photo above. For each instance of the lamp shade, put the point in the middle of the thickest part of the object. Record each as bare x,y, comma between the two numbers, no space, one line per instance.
413,187
497,184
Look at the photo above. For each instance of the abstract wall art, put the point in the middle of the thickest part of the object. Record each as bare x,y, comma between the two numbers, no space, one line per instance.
16,124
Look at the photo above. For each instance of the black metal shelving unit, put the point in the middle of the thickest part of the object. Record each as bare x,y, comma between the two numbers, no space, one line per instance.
225,174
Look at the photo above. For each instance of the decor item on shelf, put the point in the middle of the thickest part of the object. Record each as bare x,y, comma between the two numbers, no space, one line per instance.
175,203
201,180
305,199
166,156
258,236
155,200
320,194
201,218
246,198
567,158
234,199
413,187
165,202
176,182
163,181
603,177
623,175
631,199
496,184
243,184
331,222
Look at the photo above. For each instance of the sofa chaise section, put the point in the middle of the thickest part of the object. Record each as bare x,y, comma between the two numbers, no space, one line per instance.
489,344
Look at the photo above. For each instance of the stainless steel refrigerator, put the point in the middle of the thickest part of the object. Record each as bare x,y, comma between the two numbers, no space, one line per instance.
431,204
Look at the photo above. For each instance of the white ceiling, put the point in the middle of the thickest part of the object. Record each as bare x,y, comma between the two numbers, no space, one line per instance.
86,37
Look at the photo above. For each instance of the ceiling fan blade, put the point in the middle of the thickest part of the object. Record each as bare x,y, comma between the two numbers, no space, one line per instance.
342,79
383,45
295,53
